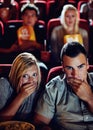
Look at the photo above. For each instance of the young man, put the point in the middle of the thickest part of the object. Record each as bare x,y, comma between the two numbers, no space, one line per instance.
67,103
29,13
86,11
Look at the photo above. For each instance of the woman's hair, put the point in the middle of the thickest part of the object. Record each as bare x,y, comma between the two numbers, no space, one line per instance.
62,17
22,62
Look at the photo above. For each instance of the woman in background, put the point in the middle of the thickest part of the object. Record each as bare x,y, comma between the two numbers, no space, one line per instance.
68,31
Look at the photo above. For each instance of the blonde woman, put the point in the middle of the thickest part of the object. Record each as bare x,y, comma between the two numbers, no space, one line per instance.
66,32
18,93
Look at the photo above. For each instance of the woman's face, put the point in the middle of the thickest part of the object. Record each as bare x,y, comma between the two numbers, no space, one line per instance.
70,18
30,76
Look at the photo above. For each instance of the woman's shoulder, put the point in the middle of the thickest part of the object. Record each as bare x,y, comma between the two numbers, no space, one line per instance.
83,31
59,27
58,30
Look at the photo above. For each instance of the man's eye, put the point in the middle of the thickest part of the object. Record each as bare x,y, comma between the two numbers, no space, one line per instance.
69,68
81,66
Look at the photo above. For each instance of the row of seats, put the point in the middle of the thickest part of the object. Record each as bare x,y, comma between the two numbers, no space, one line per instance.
13,25
48,8
54,71
9,32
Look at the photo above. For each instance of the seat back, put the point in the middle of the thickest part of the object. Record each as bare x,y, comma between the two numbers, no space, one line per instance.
42,8
10,32
84,24
40,31
54,72
51,24
50,9
4,69
1,29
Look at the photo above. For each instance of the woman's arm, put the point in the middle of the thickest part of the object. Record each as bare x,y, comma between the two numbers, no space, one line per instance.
9,112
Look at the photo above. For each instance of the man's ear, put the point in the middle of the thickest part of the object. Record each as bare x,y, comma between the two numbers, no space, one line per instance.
22,17
87,64
62,66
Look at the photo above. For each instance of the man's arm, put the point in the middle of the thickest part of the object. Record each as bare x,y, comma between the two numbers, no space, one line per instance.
13,48
27,44
41,122
39,119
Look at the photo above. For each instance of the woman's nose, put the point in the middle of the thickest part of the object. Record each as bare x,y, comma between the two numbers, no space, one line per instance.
31,78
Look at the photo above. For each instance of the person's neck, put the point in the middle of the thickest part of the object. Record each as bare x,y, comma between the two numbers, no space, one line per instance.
70,30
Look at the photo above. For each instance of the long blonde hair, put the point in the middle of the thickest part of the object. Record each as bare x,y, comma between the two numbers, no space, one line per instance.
20,64
62,17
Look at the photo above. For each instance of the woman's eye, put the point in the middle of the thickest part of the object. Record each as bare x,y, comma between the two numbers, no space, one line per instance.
35,74
25,76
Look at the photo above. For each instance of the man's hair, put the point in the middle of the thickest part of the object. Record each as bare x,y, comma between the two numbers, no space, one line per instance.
29,6
72,49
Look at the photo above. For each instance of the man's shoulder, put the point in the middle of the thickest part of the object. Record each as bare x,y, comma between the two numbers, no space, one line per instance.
57,81
90,78
90,74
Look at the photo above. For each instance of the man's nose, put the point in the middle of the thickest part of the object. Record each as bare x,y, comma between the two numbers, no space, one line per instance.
75,73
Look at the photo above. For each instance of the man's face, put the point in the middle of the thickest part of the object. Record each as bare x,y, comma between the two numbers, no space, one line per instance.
76,67
29,18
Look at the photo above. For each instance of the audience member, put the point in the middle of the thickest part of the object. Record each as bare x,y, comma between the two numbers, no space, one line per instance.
86,10
8,11
18,92
30,42
68,31
67,102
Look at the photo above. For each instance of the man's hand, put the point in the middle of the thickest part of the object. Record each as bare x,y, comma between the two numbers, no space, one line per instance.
81,88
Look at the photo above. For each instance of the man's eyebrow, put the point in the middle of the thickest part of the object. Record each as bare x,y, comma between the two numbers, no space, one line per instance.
77,66
81,65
